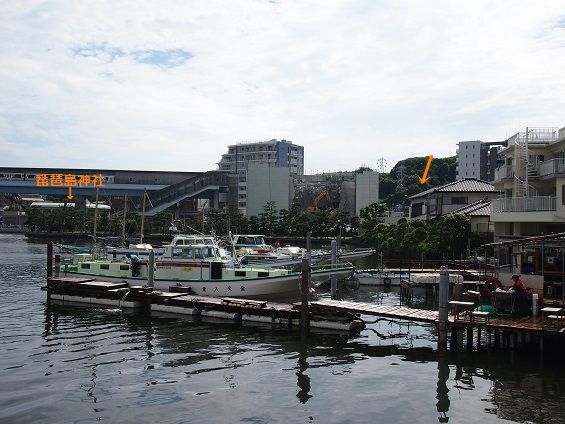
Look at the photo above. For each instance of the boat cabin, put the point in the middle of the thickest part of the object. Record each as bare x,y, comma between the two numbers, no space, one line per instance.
250,241
190,239
194,251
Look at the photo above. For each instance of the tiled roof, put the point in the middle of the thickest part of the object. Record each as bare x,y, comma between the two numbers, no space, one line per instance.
472,185
478,208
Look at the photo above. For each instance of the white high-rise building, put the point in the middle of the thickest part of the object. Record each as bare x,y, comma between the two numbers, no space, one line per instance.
274,153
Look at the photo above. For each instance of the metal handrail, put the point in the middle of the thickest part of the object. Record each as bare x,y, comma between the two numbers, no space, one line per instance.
524,204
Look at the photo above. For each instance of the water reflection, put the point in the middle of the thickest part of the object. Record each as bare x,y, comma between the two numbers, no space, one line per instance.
442,397
303,381
525,391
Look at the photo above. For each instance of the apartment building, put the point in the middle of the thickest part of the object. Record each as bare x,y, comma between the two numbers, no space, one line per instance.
273,153
477,159
531,181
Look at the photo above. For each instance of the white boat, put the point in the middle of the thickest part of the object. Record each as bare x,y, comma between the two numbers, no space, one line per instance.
200,269
142,250
379,278
358,253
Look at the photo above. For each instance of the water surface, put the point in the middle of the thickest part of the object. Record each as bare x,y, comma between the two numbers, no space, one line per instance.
61,364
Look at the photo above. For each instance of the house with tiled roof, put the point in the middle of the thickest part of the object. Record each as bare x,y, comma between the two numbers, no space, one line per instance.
479,215
450,197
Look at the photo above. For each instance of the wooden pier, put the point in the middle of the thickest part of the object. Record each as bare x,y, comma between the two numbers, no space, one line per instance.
324,314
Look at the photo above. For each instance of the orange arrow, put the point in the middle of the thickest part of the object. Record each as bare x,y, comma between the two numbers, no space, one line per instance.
70,196
424,178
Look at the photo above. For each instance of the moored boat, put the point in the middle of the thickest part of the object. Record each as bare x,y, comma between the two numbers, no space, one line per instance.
200,269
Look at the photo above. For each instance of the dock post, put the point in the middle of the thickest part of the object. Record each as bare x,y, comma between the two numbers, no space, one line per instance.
49,268
443,302
49,259
304,286
309,247
334,262
151,269
57,266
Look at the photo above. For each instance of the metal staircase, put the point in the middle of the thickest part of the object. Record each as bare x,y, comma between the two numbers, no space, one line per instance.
524,169
191,187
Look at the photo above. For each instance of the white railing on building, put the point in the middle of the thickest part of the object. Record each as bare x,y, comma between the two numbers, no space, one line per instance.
562,133
552,166
524,204
504,171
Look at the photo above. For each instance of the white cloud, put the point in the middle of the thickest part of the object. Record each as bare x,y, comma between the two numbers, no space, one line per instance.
169,85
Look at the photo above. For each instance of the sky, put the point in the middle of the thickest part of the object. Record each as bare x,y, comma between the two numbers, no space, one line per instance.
168,85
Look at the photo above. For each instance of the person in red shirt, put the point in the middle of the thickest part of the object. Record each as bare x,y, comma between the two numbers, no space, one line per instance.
521,295
277,244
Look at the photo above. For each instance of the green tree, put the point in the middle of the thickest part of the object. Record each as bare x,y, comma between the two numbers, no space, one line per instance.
268,219
372,215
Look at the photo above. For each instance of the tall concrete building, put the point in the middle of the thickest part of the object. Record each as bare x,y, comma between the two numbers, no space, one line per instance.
366,189
476,159
265,184
273,153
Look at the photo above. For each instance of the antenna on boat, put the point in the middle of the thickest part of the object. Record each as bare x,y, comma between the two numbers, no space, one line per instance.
233,249
95,219
124,220
142,215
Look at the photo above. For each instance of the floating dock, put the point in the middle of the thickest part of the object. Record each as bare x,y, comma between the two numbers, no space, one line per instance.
323,314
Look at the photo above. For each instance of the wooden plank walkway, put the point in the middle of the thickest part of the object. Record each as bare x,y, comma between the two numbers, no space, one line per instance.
388,311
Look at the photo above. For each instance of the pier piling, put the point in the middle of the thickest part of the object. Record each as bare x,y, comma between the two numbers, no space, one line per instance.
334,262
443,303
304,287
57,266
151,269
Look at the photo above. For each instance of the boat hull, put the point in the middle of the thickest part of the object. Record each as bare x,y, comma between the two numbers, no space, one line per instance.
280,287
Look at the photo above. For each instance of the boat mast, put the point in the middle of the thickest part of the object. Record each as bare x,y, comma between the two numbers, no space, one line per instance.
95,217
124,220
142,216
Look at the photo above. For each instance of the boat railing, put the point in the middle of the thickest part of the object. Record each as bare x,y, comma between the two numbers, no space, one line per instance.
327,267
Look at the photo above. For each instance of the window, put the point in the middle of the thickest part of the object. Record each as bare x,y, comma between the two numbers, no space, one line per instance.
416,210
563,194
459,200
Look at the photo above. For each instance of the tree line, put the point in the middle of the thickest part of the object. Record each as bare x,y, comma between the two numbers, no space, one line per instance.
448,237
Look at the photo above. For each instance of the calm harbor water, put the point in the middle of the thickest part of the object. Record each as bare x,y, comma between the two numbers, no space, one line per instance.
61,364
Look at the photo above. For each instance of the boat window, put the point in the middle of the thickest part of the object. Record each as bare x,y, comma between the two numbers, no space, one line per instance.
85,266
209,252
263,274
184,253
259,240
240,273
124,267
104,266
198,254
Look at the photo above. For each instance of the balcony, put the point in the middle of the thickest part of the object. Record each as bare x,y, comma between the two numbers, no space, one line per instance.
524,204
525,209
504,171
553,166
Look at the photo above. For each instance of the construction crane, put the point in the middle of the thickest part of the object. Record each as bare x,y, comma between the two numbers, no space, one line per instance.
313,208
